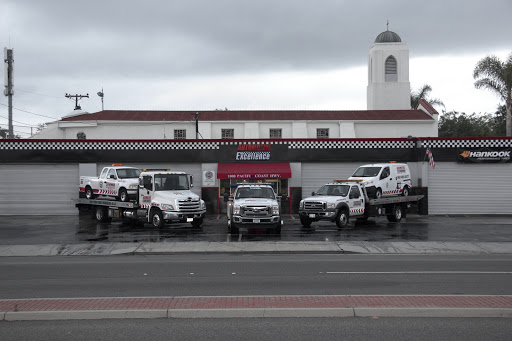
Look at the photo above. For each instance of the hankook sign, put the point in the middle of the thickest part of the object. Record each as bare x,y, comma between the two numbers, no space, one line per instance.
484,155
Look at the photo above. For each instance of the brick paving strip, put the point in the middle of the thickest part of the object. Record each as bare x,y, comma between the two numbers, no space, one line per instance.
197,306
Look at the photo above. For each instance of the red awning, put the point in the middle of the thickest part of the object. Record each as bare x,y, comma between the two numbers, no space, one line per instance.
256,170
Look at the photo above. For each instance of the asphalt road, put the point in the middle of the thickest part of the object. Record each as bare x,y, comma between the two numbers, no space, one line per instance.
262,329
33,230
248,274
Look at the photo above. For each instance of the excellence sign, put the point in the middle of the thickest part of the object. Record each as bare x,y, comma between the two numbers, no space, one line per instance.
253,152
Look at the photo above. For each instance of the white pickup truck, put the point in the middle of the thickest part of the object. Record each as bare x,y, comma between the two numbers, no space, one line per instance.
116,181
344,199
162,197
254,206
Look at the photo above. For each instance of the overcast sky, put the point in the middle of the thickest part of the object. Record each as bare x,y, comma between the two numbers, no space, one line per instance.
239,54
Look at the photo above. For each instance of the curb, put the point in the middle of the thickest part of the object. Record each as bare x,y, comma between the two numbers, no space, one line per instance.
256,313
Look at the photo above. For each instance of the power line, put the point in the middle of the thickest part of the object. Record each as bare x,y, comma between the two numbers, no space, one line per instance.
33,93
28,112
26,124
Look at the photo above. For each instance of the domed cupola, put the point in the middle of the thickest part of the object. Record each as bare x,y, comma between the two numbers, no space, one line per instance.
388,37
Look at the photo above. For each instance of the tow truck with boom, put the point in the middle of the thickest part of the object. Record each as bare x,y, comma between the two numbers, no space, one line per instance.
162,197
344,199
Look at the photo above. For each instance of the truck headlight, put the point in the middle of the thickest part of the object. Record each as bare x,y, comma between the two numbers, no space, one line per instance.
167,207
203,205
331,205
301,204
236,209
133,186
275,209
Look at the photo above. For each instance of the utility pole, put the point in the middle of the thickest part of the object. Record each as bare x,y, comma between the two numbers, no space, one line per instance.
197,125
77,97
8,91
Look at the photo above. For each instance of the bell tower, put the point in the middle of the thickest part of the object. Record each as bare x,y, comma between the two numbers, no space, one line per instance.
388,74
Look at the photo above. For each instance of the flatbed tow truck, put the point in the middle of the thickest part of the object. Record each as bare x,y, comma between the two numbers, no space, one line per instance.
344,199
162,197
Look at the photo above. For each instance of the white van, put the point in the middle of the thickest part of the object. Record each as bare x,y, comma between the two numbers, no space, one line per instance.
384,179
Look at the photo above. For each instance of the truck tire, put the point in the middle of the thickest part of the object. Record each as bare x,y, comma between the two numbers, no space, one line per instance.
232,228
197,223
305,221
88,193
277,229
378,193
397,214
342,218
101,214
156,219
123,195
405,191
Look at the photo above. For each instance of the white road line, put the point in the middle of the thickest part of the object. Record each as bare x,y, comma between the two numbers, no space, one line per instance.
419,272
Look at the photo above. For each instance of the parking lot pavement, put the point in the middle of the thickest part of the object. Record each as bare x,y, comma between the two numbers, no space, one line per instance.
257,306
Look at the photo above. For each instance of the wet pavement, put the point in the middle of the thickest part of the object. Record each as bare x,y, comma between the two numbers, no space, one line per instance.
37,230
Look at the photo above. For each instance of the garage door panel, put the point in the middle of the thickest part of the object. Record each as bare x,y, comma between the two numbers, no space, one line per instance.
314,175
457,188
38,189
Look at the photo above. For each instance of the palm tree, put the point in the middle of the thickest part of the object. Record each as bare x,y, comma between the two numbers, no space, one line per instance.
493,74
423,94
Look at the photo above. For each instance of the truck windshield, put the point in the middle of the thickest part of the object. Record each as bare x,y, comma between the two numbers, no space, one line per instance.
255,192
337,190
171,182
128,173
363,172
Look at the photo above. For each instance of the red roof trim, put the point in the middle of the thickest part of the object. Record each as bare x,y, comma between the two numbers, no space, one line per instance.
251,115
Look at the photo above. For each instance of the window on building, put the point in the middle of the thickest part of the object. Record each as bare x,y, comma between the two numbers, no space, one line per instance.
180,134
276,133
322,133
391,67
227,134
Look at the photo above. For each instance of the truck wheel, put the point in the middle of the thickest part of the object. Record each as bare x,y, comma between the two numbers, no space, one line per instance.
88,193
378,193
397,214
123,195
156,219
101,214
197,223
277,230
405,191
306,222
342,218
232,228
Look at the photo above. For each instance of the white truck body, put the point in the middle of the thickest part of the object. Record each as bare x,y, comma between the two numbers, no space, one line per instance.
254,206
116,181
345,199
384,179
162,197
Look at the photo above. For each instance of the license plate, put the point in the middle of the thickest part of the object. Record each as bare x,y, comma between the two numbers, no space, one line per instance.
189,220
256,221
312,216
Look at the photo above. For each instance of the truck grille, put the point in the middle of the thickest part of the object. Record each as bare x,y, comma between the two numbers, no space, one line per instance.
314,205
255,211
189,205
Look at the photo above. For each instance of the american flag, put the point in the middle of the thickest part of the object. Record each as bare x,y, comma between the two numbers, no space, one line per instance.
431,158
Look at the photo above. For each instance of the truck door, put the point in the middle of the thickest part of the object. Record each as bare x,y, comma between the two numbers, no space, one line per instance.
110,182
355,201
146,191
388,182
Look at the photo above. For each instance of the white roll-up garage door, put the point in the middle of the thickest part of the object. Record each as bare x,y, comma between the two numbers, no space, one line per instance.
459,188
314,175
38,189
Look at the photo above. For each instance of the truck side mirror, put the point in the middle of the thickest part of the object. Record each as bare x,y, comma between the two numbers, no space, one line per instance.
191,181
226,197
312,194
112,176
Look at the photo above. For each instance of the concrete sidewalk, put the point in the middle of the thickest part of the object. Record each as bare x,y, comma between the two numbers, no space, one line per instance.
256,306
162,248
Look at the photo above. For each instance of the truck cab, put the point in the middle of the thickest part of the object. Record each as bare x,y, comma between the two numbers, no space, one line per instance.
165,196
254,206
335,202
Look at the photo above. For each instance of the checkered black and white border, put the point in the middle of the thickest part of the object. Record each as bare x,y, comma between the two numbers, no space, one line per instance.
139,145
350,144
491,143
